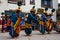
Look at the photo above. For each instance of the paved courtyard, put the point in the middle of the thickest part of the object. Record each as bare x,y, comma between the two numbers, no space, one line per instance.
36,35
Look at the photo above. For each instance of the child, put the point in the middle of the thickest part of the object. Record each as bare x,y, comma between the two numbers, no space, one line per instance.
3,23
30,17
8,24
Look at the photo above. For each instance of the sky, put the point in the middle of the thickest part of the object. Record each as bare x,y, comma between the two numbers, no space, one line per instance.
58,1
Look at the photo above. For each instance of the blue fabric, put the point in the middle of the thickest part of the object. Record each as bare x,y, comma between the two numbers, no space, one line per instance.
28,30
3,21
21,14
14,18
34,18
35,24
55,26
12,32
43,17
8,28
31,17
48,17
43,29
22,23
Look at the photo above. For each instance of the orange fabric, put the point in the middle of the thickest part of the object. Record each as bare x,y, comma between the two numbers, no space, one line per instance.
42,23
17,23
48,25
59,23
0,22
8,22
5,25
17,26
17,30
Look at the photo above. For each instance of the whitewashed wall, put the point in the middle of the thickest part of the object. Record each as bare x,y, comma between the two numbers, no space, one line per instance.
58,1
55,5
3,6
27,7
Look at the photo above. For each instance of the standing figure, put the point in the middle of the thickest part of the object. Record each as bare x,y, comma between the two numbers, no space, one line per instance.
49,21
15,30
42,21
3,22
16,19
34,21
28,29
8,24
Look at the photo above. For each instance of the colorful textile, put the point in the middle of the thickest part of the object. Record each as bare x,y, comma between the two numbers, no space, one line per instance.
14,18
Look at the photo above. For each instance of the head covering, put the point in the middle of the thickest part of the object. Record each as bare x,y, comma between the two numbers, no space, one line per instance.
33,7
33,10
53,10
46,9
19,3
40,10
18,10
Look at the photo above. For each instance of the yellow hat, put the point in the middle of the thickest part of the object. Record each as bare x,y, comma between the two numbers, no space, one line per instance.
19,9
40,11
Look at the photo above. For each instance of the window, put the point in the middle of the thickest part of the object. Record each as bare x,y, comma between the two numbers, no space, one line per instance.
32,2
46,3
23,2
15,1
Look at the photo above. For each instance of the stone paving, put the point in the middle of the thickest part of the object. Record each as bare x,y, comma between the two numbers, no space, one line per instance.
36,35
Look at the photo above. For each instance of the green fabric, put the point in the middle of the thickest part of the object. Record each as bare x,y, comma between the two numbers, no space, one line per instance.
9,13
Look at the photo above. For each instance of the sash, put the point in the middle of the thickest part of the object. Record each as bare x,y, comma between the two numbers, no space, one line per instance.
17,23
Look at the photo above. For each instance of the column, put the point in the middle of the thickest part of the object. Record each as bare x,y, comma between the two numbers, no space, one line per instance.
55,6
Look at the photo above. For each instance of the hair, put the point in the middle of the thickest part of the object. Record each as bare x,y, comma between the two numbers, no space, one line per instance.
19,3
2,13
46,9
17,11
53,10
33,7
